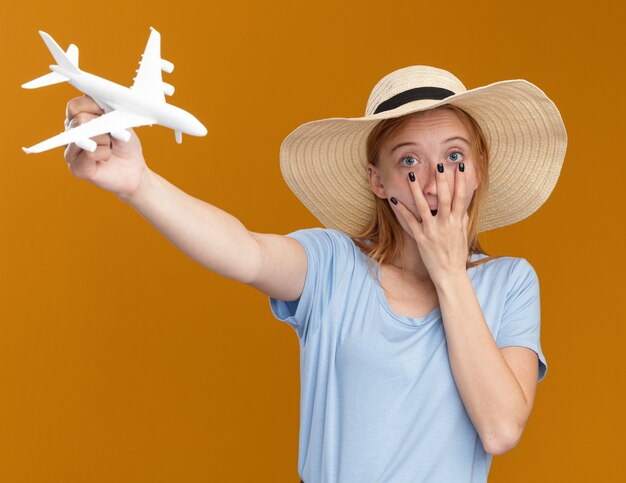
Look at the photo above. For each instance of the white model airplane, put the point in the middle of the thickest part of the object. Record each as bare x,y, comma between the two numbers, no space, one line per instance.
140,105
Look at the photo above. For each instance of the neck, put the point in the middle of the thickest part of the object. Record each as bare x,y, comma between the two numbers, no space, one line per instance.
414,267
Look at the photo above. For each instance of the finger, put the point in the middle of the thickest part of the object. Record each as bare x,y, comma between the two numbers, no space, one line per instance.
420,201
87,163
444,198
81,104
413,223
460,194
127,148
82,118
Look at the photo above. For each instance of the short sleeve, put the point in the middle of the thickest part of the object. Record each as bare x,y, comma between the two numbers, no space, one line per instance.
521,318
325,251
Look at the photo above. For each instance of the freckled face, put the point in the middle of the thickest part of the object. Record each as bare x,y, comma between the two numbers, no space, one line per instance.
421,142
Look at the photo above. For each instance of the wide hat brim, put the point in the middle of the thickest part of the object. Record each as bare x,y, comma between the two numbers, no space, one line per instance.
324,162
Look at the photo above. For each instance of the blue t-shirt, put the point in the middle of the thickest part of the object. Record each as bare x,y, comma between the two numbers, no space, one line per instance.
378,401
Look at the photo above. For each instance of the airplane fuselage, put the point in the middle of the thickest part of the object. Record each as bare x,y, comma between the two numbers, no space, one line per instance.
113,97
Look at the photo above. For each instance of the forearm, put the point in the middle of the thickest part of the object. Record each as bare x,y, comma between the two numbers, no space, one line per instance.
490,391
210,236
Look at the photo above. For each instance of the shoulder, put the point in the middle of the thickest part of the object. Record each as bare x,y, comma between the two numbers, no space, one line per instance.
513,270
502,262
329,235
324,241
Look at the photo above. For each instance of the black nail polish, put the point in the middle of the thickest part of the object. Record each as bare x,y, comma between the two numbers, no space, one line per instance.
412,177
433,212
440,167
461,167
393,200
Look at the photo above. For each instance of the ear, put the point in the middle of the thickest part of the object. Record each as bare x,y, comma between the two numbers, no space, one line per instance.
375,182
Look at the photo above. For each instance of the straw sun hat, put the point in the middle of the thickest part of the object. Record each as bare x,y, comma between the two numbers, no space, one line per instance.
324,162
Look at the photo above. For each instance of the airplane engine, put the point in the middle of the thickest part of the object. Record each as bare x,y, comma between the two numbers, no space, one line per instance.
167,66
168,89
121,134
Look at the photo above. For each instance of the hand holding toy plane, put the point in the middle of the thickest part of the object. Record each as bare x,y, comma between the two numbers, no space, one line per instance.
140,105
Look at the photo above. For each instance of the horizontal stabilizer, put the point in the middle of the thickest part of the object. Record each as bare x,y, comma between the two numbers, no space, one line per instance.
45,80
68,60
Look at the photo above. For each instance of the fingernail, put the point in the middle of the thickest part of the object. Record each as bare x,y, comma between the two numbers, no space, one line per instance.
393,200
440,167
412,177
461,167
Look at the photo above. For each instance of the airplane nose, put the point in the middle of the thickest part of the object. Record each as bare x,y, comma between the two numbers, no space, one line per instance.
201,129
197,128
186,122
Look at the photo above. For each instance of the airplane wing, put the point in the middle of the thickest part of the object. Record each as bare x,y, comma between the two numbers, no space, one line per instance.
149,79
115,122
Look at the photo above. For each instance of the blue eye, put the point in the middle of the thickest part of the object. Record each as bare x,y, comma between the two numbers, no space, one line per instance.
455,156
409,164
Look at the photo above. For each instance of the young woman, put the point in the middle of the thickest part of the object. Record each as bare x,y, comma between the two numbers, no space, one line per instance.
420,355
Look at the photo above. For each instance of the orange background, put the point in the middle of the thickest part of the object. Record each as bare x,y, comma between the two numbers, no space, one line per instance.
122,360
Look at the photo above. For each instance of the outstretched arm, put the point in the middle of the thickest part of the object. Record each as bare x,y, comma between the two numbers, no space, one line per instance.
207,234
274,264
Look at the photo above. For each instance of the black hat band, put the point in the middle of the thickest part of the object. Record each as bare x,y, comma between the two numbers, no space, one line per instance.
417,94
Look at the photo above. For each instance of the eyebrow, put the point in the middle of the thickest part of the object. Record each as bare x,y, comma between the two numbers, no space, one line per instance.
455,138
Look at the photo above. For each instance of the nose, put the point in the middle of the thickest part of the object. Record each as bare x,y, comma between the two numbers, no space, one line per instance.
195,127
429,180
200,129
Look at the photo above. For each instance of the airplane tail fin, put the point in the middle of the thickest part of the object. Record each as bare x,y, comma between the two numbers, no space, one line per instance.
45,80
68,60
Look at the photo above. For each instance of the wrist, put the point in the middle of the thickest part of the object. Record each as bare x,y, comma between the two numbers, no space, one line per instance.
145,184
450,280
